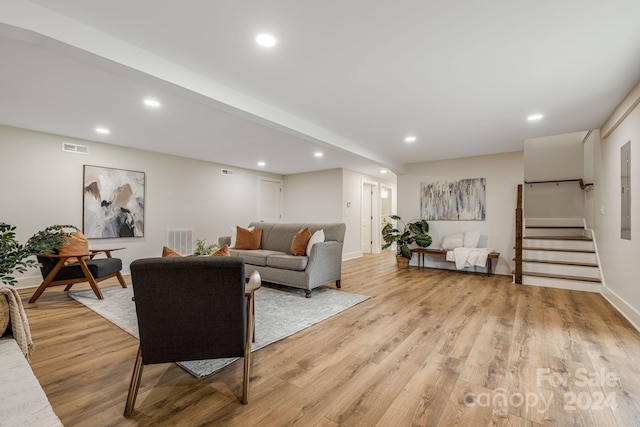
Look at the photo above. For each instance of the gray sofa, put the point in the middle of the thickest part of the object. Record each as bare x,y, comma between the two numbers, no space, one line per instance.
276,264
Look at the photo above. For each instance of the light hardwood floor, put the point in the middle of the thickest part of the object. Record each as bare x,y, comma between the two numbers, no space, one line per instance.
429,348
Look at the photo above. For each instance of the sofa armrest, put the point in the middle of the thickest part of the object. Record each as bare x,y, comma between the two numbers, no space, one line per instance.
325,263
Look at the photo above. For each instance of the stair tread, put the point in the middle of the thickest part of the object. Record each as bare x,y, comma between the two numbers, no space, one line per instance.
577,238
575,227
585,251
579,264
560,276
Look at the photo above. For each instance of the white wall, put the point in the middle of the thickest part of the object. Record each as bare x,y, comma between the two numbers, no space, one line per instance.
591,153
323,197
42,186
554,158
352,194
618,256
313,196
503,173
554,200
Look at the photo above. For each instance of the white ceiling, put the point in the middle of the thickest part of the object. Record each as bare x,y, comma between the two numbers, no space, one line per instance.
349,78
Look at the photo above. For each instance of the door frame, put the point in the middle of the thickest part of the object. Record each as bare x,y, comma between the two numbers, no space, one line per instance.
376,236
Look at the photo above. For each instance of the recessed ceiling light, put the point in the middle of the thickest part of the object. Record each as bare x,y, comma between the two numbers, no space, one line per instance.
318,154
384,171
151,103
410,138
534,117
266,40
103,131
262,164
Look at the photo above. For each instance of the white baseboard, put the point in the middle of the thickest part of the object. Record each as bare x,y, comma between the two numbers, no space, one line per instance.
351,255
29,282
630,313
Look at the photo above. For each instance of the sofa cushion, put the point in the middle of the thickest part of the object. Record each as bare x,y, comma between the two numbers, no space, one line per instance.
287,262
317,237
98,267
169,253
248,239
222,251
253,257
300,240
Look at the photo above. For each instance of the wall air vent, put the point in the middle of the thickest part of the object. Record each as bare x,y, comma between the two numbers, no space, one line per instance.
226,172
74,148
180,240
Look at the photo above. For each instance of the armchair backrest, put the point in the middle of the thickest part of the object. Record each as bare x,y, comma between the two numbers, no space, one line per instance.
190,308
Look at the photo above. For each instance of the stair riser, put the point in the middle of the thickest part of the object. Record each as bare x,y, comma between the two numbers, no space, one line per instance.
562,270
560,256
554,232
558,244
555,222
575,285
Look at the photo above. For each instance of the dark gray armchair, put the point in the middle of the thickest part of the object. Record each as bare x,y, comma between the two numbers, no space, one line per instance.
91,270
192,308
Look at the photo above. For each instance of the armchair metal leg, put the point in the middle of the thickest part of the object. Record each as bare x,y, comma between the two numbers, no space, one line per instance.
135,384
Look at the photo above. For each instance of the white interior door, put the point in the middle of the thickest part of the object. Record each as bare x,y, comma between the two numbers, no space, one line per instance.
269,200
367,218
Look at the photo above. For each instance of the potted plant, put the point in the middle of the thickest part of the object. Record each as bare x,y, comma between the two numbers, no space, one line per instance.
203,247
404,235
14,255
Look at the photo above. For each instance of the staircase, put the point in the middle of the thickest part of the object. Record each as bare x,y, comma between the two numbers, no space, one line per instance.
559,253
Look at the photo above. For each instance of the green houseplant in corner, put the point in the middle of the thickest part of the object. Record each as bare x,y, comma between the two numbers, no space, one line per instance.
14,255
404,235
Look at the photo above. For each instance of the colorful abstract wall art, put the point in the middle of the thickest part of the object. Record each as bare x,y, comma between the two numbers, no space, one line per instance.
113,204
453,200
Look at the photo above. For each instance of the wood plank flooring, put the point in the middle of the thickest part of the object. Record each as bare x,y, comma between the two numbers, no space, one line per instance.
429,348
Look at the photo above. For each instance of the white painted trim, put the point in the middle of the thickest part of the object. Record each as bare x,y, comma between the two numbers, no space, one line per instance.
352,255
26,282
375,213
630,313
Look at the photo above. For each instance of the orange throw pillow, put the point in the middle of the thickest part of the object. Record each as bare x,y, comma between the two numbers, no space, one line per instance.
223,251
170,253
76,244
300,241
246,239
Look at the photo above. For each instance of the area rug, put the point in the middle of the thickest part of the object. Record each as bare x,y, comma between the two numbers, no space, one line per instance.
22,400
280,312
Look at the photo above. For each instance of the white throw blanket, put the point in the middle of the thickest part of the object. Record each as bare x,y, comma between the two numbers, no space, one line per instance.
469,257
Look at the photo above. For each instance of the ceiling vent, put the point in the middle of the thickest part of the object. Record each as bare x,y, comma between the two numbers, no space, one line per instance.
226,172
75,148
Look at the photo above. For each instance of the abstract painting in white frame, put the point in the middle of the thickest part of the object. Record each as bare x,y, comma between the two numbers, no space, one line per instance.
113,203
460,200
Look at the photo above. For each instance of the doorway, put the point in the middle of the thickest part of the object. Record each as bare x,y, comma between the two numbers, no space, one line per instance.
367,217
269,207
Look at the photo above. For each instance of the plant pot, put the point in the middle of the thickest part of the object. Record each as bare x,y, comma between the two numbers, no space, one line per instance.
402,262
